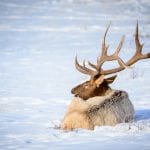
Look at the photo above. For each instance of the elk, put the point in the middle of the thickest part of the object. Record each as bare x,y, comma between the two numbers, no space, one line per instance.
95,103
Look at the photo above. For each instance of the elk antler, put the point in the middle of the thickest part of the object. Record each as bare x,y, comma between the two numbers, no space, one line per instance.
84,69
105,57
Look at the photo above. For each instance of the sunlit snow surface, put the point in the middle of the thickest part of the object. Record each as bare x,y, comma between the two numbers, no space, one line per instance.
38,42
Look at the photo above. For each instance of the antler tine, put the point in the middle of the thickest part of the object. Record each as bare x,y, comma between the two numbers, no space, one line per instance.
104,39
139,46
120,61
83,69
138,54
104,49
120,45
137,42
92,65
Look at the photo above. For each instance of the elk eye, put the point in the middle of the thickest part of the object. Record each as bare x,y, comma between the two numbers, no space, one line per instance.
86,86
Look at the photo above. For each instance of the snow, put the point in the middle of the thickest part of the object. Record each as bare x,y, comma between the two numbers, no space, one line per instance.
38,43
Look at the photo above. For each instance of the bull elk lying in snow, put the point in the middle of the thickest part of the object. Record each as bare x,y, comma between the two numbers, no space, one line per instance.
95,103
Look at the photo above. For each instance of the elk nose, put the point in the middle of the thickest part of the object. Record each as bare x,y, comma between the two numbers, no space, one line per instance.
76,95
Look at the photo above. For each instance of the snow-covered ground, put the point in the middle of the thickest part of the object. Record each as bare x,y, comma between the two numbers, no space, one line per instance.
38,42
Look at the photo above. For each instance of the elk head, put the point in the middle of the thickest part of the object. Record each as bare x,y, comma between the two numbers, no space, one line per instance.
98,85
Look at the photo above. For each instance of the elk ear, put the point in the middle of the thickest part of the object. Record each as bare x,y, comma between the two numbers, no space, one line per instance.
99,81
111,79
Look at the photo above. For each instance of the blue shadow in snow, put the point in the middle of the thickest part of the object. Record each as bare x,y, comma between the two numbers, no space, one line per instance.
142,114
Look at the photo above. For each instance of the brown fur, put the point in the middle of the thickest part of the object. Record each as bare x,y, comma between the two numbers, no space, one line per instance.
97,111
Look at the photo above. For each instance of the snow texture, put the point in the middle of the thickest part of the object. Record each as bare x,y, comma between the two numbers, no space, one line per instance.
38,42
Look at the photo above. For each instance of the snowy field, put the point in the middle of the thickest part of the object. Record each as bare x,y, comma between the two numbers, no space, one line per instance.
38,42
